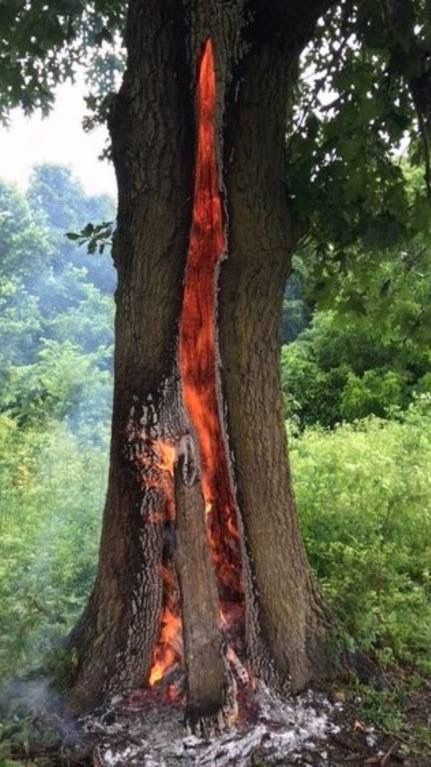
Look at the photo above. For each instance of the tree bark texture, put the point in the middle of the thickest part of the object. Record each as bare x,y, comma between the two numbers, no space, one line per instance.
289,619
153,155
152,127
208,685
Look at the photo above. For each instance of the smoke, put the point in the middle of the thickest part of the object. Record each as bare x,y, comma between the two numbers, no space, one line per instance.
31,697
33,717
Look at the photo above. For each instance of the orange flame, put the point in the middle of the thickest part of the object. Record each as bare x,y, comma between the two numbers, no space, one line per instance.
155,461
198,370
168,649
198,341
167,455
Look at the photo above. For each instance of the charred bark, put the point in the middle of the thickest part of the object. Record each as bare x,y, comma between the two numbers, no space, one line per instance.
152,128
210,699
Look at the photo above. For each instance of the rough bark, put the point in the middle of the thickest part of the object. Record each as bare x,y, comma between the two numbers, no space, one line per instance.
286,625
152,132
209,697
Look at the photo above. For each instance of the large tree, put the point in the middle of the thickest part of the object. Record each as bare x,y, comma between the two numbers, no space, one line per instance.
213,197
153,131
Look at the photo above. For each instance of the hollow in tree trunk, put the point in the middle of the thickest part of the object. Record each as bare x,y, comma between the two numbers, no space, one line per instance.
201,560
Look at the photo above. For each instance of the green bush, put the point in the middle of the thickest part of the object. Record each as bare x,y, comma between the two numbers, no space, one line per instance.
364,499
52,488
64,383
377,392
336,371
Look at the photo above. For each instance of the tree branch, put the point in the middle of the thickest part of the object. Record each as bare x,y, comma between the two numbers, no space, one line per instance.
420,89
401,17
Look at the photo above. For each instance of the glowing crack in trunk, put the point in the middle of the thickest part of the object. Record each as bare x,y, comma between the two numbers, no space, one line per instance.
200,388
198,342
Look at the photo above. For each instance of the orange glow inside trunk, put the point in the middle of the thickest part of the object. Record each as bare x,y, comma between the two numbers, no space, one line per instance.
199,380
198,339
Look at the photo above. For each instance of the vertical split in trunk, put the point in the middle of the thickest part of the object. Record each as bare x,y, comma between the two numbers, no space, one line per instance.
207,550
198,350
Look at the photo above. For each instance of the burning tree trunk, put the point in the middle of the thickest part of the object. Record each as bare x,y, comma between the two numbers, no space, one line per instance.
206,669
201,543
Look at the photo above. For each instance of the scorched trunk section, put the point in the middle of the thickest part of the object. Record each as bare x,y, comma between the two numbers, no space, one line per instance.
201,563
210,692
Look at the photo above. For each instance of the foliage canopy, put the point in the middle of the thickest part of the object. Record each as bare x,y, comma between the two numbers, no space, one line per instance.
363,93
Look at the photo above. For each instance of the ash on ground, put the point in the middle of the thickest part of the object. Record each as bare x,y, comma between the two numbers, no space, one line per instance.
273,731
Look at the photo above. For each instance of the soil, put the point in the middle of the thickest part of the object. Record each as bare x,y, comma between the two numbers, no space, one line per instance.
359,744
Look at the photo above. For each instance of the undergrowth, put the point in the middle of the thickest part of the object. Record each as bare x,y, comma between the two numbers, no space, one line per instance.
364,499
52,484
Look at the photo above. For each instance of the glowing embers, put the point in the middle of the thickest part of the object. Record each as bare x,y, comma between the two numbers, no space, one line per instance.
198,346
156,457
169,648
154,461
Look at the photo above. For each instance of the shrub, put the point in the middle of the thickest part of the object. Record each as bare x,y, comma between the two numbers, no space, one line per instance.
364,499
336,372
52,488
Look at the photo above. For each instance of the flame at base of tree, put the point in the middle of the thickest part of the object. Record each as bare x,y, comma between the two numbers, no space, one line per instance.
153,458
168,650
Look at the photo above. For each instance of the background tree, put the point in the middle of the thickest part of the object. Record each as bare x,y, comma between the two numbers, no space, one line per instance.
56,319
59,198
366,350
56,343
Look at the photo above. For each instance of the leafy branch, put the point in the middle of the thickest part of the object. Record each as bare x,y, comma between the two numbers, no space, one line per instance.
95,236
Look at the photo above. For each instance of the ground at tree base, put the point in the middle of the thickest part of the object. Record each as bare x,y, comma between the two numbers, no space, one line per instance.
309,730
315,729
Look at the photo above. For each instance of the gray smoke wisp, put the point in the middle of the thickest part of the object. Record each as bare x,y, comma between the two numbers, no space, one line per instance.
33,715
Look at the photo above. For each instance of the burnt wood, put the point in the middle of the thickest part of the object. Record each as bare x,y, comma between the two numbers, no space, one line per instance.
206,669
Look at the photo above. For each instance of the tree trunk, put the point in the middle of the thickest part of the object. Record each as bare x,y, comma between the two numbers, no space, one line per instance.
206,671
150,127
289,619
153,136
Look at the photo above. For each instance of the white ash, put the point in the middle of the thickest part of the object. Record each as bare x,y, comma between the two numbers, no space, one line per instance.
371,740
154,735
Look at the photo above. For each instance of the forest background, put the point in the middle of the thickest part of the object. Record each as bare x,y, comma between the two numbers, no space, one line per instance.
356,374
